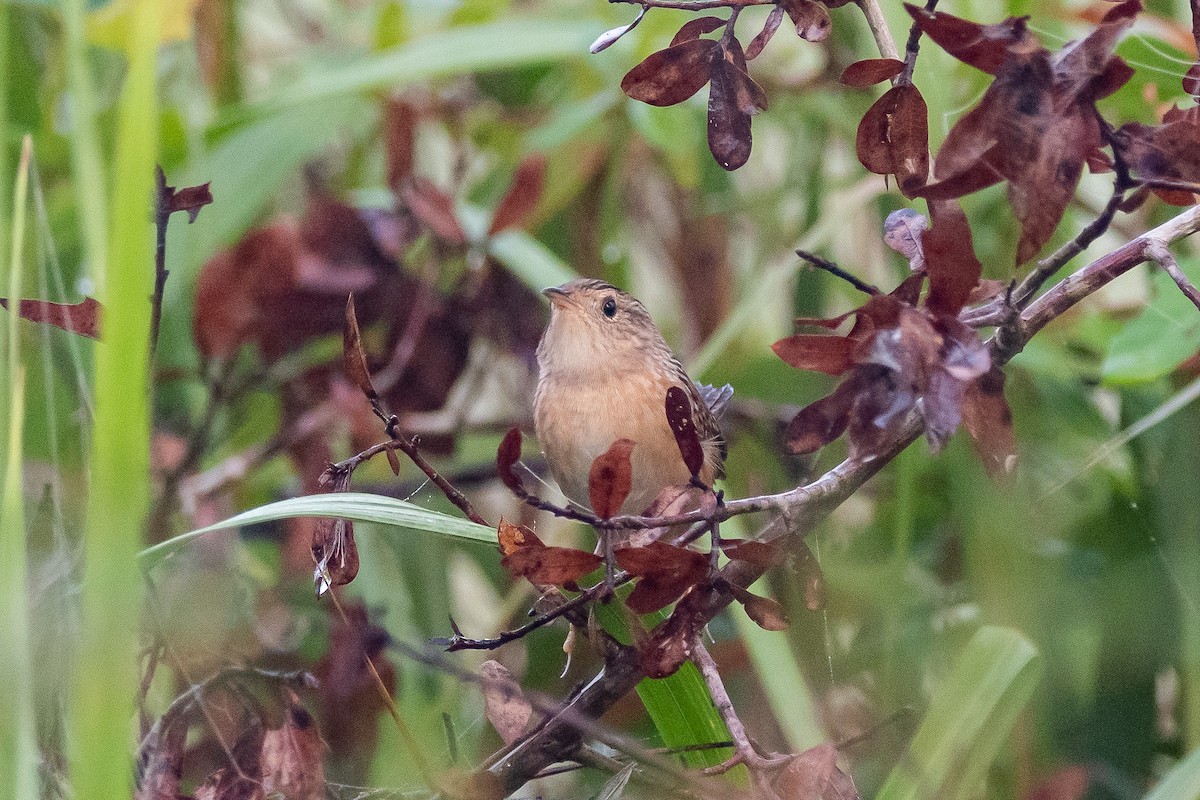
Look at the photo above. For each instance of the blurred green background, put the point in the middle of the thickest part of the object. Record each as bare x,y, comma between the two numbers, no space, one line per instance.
1089,563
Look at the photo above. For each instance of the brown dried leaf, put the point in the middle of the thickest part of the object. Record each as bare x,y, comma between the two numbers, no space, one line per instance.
870,71
732,98
666,649
504,702
1086,70
984,47
354,360
435,209
507,456
1191,80
1167,152
769,27
950,261
664,573
522,196
820,422
610,479
988,420
814,775
766,613
190,199
811,19
82,317
761,554
293,764
393,461
695,28
525,556
832,355
671,76
679,418
893,138
334,552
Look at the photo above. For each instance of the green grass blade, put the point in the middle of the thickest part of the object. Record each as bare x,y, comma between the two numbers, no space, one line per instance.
106,671
1182,782
530,260
498,45
357,506
969,718
18,743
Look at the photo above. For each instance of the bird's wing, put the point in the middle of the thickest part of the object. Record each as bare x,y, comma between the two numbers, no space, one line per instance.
717,399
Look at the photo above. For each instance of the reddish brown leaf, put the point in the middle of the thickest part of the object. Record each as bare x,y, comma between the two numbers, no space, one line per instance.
507,456
334,552
1191,80
988,420
769,27
522,196
82,317
664,573
811,18
760,554
814,775
870,71
950,260
354,360
693,29
679,418
832,355
671,76
525,556
984,47
668,646
766,613
1085,70
504,702
393,461
293,758
435,209
610,479
732,98
893,138
190,199
1167,152
819,423
399,142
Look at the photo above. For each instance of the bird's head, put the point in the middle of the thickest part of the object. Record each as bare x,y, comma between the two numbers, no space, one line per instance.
594,324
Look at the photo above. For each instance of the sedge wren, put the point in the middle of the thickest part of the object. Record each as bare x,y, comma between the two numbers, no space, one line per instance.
604,370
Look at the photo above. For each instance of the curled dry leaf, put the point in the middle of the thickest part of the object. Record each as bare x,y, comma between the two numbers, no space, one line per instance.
814,775
766,613
664,571
988,420
954,270
524,555
769,27
893,138
611,36
811,19
732,98
504,702
673,75
610,479
695,28
870,71
679,418
984,47
507,456
335,554
522,196
82,318
354,360
293,758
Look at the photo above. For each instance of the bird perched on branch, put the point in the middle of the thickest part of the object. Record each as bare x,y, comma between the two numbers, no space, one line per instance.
604,371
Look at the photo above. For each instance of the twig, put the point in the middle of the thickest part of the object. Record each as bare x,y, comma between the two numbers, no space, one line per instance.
696,5
162,215
838,272
879,29
1157,252
912,48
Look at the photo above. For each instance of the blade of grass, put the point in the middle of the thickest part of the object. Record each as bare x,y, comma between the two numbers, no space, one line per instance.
87,164
18,746
357,506
106,671
971,715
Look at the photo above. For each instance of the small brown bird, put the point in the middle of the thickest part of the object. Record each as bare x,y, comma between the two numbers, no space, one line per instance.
604,370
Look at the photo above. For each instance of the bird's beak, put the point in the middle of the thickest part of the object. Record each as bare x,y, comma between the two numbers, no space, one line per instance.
556,296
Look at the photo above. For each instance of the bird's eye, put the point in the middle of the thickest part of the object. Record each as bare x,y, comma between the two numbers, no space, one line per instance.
609,308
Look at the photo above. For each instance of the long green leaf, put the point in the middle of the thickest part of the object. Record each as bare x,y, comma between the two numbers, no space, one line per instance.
358,506
971,715
119,470
493,46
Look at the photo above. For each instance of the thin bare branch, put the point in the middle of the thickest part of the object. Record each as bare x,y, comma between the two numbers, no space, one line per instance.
877,22
1157,252
838,272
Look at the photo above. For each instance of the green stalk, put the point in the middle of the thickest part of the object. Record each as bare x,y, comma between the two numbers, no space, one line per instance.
87,163
18,745
105,676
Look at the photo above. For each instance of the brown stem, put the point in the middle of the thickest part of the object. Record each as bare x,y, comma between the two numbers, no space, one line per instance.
696,5
912,48
162,215
838,272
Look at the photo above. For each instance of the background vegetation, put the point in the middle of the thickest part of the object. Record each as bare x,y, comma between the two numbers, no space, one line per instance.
1048,631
